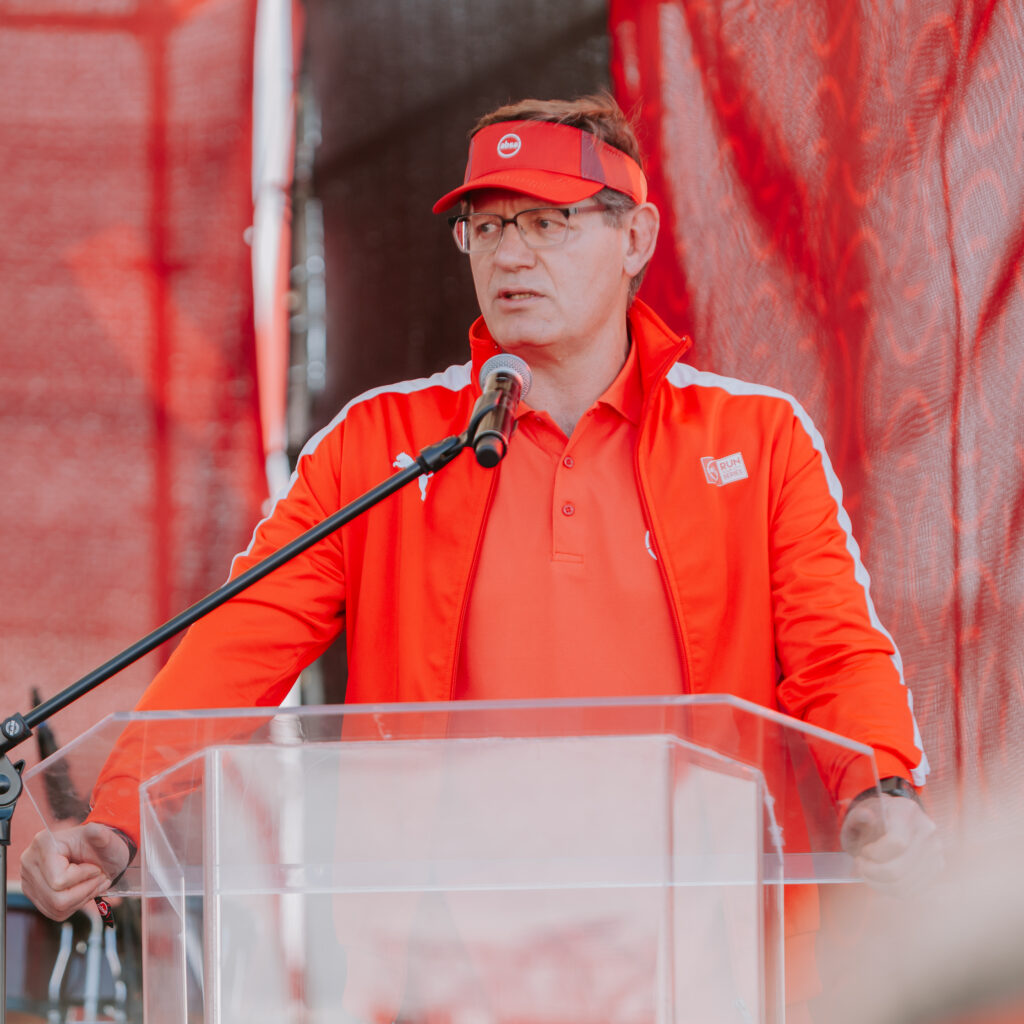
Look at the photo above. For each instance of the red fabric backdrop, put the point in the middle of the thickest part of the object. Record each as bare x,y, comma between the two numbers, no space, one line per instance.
131,467
842,187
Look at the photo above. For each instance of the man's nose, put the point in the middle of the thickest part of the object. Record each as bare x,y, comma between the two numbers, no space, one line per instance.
511,247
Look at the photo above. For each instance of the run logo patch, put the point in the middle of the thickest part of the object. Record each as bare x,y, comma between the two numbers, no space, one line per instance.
724,471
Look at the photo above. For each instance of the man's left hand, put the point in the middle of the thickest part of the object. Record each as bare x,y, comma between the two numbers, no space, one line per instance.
895,845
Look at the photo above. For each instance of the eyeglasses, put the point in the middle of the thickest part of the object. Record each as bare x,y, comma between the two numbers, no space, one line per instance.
539,229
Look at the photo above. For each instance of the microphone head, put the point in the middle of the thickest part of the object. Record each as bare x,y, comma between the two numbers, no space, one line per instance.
510,364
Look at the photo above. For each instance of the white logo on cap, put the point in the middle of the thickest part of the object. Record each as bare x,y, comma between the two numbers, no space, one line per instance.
509,145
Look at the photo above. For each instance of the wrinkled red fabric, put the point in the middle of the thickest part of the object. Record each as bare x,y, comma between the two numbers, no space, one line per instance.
842,188
132,468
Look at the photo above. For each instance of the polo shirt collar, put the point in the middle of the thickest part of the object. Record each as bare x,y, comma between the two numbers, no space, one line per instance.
625,394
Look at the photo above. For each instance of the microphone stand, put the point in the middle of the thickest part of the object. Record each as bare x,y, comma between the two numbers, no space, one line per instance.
15,729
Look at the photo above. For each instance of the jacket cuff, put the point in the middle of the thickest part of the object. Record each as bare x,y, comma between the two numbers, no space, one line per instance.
858,778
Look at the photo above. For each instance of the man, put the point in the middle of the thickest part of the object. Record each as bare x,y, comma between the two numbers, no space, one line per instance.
652,529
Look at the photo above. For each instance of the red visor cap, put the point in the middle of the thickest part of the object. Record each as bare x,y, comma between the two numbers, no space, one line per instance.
554,162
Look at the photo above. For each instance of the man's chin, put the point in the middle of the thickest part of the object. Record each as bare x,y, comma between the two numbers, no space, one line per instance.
526,348
519,337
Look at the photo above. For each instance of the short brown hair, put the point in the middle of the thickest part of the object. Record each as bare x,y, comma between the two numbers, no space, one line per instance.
598,114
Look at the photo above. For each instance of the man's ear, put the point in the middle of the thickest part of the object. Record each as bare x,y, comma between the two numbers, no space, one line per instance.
641,237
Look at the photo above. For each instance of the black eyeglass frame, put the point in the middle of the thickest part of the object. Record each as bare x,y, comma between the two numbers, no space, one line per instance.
568,211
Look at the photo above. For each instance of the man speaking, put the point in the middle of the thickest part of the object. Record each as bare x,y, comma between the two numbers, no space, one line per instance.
652,529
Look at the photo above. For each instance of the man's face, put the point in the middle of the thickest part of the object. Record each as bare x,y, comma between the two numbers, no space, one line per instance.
551,302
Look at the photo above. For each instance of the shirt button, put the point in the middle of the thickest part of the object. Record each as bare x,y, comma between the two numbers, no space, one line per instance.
568,509
568,462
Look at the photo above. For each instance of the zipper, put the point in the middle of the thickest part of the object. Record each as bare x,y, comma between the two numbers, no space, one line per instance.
648,519
659,558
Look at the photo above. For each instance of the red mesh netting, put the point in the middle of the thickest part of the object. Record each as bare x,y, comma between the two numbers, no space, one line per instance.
132,467
842,187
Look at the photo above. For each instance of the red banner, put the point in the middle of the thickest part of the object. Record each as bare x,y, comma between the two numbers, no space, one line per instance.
132,466
842,187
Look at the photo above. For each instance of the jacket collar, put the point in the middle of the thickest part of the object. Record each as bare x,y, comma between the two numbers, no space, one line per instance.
657,347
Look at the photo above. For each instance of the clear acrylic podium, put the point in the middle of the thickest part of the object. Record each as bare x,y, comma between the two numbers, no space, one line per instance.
556,862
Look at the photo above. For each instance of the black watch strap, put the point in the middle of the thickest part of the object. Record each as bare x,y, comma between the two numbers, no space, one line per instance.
893,785
132,850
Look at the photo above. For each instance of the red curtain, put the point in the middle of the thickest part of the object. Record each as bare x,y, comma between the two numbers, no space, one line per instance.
842,187
132,466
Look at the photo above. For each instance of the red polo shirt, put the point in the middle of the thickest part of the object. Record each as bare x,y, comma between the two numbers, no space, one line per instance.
567,599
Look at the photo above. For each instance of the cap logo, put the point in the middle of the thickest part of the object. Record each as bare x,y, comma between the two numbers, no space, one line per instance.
509,145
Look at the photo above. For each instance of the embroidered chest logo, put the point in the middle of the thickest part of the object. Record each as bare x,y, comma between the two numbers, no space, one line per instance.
724,471
403,460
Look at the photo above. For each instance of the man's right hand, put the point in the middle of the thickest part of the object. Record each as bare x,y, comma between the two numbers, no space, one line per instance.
62,871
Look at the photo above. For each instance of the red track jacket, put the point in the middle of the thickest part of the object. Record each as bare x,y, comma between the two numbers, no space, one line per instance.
745,514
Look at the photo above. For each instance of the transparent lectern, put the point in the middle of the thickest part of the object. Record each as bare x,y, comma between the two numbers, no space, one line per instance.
555,862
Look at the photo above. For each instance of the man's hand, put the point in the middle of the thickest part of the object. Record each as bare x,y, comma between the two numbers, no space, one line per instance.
894,854
62,871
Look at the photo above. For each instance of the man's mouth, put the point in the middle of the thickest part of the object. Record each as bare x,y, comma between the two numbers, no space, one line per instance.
514,294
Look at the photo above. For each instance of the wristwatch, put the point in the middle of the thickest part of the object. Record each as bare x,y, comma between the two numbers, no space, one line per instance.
893,785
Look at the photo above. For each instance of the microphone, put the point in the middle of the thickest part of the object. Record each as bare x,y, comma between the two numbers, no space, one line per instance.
504,379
